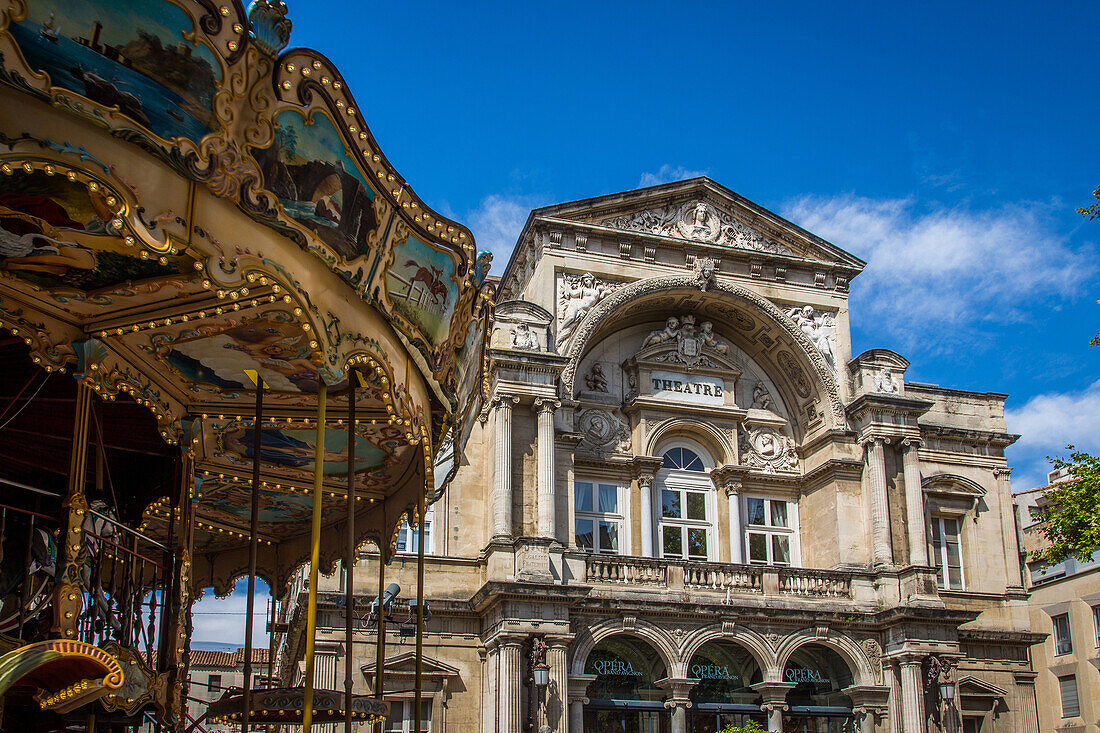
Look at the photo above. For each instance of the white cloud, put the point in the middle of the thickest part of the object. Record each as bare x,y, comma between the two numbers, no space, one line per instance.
667,174
945,270
497,222
222,620
1054,420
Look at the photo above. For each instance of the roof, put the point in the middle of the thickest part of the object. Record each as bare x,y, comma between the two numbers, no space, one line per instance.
225,660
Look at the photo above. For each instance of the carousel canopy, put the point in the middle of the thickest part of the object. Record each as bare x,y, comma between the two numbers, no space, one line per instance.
183,206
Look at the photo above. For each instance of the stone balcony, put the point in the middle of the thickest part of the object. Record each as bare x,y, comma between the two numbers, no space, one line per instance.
727,581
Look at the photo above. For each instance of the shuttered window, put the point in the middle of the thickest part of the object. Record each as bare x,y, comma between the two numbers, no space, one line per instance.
1071,705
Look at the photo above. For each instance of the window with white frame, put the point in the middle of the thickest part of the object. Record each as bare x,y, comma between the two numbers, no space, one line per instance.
1063,638
599,520
947,552
408,536
770,537
1067,689
687,506
400,719
1096,623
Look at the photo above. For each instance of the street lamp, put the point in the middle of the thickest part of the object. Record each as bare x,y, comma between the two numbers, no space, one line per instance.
947,692
541,672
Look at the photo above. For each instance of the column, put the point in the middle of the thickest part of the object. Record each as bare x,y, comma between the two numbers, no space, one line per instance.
679,700
912,694
892,677
914,502
1013,579
508,687
645,487
501,503
578,689
557,694
774,701
866,718
545,409
875,467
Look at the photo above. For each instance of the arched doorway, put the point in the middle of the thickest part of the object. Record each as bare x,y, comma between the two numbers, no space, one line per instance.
624,697
723,695
817,702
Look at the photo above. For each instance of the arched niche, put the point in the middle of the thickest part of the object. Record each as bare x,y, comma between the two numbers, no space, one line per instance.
820,677
726,672
625,668
768,337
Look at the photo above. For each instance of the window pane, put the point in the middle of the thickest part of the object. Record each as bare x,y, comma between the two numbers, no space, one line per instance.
951,530
583,531
1096,623
609,499
609,536
696,505
425,716
402,538
936,532
781,549
582,497
758,547
672,543
1063,641
697,543
779,513
670,504
754,511
692,462
672,458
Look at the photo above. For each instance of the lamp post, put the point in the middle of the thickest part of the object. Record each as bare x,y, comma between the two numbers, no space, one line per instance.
537,680
939,675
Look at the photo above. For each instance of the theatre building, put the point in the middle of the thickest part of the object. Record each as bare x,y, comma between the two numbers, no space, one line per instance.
687,503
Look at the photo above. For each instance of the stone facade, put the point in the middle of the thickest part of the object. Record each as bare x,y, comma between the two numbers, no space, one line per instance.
1065,605
687,487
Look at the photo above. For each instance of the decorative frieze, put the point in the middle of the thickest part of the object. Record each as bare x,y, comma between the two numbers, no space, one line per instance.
697,221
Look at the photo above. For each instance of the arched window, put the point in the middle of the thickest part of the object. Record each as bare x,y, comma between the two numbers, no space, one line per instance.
688,506
683,459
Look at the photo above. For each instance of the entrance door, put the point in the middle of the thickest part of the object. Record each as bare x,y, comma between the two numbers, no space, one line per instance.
626,721
712,722
819,724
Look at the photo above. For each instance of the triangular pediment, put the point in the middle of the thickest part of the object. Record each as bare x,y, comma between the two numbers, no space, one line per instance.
702,213
405,663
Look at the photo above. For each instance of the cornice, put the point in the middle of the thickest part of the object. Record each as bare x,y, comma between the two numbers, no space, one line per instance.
887,403
993,437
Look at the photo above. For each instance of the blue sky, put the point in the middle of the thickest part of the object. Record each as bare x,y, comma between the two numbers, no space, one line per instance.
945,143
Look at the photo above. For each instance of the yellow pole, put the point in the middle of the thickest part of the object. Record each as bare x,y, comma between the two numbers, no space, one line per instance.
315,554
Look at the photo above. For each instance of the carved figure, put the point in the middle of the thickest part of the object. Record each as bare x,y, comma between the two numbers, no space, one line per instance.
820,329
595,379
885,382
578,295
698,221
524,338
706,335
668,333
706,271
767,449
604,431
761,398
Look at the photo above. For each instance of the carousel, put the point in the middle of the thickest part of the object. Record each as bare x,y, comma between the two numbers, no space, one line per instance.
234,344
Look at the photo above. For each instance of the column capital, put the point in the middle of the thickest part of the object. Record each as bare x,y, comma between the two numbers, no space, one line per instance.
679,690
729,478
1002,471
869,441
505,400
546,404
774,693
646,467
578,687
912,443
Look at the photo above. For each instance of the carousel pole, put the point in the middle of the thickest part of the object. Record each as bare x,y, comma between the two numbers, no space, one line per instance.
349,557
67,602
315,553
253,542
421,509
380,648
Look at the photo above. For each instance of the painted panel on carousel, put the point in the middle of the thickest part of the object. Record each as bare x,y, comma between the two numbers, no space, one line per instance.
319,184
140,56
61,234
423,285
295,448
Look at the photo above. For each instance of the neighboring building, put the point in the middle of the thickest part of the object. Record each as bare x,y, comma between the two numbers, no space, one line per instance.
211,673
1065,603
686,486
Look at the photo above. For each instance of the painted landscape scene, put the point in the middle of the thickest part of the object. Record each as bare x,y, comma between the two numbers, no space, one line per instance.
319,184
129,54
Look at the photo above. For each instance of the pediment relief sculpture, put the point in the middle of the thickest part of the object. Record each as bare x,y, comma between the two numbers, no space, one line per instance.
524,339
679,342
595,379
820,329
768,449
576,296
697,221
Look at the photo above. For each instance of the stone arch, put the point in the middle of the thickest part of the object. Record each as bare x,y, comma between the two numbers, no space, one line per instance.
718,444
791,365
653,635
954,484
749,640
851,652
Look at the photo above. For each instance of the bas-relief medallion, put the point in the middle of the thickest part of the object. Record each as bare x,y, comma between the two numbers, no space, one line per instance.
603,431
768,449
696,221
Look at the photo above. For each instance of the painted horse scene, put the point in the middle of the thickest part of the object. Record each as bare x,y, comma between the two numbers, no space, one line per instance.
128,54
422,287
295,448
319,184
54,234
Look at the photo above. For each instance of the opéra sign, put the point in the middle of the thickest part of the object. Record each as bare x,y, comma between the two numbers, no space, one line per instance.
797,674
712,672
616,667
685,388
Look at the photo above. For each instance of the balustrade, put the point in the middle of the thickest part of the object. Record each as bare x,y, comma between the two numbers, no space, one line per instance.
815,583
